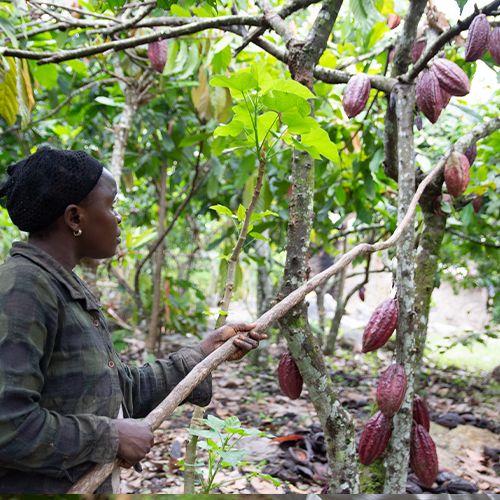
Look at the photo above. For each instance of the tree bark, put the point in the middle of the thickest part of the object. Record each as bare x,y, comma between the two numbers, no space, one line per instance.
398,451
152,340
189,473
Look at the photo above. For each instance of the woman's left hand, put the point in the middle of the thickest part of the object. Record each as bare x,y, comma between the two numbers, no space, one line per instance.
224,333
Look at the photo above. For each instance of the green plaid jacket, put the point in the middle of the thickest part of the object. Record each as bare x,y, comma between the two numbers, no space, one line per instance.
61,380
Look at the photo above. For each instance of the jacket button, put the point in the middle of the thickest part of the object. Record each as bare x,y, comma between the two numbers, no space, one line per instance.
96,323
111,364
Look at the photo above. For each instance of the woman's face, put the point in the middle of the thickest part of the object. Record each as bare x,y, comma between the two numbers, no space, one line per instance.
99,220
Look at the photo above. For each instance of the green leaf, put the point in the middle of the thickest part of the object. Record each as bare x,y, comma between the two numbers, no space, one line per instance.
249,189
461,4
9,30
211,434
293,87
178,10
78,66
320,139
284,102
232,457
191,63
232,129
24,95
241,81
222,210
212,186
259,236
8,91
261,76
369,187
241,212
214,422
232,422
172,51
163,4
46,75
376,161
299,124
482,173
377,33
193,139
221,60
467,213
265,123
340,195
108,102
364,11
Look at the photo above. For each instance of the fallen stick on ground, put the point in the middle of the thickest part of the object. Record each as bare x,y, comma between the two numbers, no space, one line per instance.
97,474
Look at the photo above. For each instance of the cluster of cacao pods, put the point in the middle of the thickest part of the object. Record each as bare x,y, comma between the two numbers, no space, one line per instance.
436,86
423,456
381,326
356,94
391,391
289,377
157,55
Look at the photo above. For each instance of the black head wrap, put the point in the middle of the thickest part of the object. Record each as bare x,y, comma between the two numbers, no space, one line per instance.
41,187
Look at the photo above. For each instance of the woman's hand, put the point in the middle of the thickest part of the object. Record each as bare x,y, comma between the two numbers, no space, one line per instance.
224,333
136,440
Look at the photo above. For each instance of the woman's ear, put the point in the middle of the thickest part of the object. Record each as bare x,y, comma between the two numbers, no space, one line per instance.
73,217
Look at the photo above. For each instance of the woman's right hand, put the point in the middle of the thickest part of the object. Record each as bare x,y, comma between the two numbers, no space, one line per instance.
136,439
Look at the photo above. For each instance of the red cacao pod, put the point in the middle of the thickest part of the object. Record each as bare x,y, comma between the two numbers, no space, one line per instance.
445,97
381,325
361,293
495,45
423,456
416,51
429,97
451,77
393,21
457,174
471,154
157,55
478,38
477,203
289,377
391,54
391,389
374,438
445,198
421,413
356,94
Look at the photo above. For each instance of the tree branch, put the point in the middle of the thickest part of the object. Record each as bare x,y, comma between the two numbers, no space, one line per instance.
471,238
276,22
328,75
132,22
364,57
73,9
440,42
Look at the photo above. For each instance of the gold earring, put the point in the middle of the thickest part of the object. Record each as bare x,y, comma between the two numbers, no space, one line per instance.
77,233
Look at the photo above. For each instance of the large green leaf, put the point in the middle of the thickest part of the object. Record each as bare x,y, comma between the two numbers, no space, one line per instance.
9,106
283,102
321,141
46,75
365,11
461,4
293,87
24,92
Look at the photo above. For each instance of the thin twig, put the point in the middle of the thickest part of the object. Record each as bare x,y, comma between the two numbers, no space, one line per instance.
471,238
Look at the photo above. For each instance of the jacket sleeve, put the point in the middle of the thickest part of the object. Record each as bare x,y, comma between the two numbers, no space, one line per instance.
31,437
146,387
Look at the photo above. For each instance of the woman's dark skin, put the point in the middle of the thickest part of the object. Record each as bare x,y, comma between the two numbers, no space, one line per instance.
98,222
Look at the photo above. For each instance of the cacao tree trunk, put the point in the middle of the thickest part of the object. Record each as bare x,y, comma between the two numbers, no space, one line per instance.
398,450
152,340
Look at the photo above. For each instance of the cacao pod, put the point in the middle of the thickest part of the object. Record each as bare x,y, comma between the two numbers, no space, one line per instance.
420,412
356,94
157,55
416,51
477,203
423,456
381,326
289,377
361,294
471,154
418,120
391,54
429,97
438,209
391,389
457,174
495,45
451,77
445,97
374,438
478,38
393,21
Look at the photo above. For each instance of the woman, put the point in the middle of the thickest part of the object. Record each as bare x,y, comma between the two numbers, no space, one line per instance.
62,384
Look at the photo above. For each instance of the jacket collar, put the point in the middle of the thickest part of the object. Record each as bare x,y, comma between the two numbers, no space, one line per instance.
77,289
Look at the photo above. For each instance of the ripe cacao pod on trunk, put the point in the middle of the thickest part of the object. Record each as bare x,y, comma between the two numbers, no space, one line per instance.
381,326
391,389
416,51
356,94
429,97
393,21
157,55
477,203
495,45
421,413
457,174
478,38
471,154
289,377
374,438
451,77
423,456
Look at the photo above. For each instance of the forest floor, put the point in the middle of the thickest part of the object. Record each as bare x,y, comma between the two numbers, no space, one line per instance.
464,407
